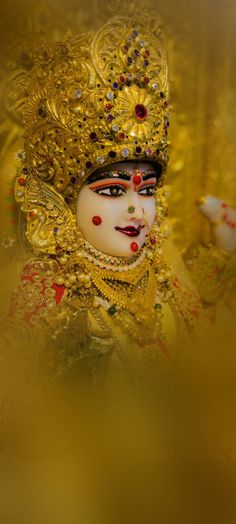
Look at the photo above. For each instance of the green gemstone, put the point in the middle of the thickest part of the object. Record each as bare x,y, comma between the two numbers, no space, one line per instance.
157,306
112,310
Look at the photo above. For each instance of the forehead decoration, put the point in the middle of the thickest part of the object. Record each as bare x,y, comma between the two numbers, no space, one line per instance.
110,172
91,100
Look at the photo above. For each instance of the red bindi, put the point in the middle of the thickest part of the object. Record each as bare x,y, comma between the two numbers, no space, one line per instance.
136,179
97,220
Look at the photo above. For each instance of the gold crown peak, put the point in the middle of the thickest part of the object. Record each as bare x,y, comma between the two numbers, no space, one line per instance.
94,99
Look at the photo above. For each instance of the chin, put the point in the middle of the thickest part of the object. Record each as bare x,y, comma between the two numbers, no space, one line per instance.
120,247
126,251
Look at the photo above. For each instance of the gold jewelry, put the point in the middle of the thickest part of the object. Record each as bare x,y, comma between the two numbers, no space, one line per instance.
131,209
51,226
111,263
89,101
92,100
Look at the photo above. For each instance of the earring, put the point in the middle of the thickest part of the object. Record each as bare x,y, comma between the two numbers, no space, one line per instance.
131,209
159,231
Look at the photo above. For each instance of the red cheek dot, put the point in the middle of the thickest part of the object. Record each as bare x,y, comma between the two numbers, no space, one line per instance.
137,180
97,220
134,246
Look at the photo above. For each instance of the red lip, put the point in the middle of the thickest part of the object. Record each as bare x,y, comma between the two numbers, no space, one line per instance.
130,231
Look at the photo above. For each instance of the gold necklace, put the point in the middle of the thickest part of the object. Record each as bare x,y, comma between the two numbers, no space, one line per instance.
124,289
108,262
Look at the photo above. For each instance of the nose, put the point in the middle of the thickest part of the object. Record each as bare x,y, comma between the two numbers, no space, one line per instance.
135,209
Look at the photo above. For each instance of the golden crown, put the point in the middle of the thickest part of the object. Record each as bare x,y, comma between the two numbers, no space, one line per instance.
94,99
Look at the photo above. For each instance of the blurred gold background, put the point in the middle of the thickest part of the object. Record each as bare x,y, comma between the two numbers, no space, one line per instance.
202,69
202,59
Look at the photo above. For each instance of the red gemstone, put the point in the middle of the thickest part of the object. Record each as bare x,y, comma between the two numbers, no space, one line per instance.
22,181
146,53
122,79
97,220
32,214
134,246
146,79
153,240
121,136
141,112
108,107
136,179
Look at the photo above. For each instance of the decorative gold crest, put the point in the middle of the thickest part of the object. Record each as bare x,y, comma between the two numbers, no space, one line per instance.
92,100
51,226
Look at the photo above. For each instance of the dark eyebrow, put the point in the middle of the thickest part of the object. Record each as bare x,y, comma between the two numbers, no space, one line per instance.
150,175
94,177
123,175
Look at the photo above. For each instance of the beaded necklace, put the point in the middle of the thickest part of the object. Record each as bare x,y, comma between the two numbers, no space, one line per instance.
111,263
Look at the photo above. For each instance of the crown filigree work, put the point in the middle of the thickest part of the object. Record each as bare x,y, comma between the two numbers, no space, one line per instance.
92,100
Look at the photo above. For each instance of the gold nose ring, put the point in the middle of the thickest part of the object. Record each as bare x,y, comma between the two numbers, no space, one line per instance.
131,209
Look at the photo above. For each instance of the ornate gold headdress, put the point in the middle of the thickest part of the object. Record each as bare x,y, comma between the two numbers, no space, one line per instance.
85,102
92,100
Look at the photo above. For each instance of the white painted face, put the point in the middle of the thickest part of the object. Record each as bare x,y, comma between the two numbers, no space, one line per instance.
115,211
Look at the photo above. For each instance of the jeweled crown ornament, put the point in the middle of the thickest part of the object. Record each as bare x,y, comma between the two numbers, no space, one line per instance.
91,100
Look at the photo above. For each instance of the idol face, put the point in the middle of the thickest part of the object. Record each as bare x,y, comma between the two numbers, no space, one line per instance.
116,207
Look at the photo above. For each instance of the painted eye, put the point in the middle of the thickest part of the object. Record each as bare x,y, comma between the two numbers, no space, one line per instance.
147,191
111,191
